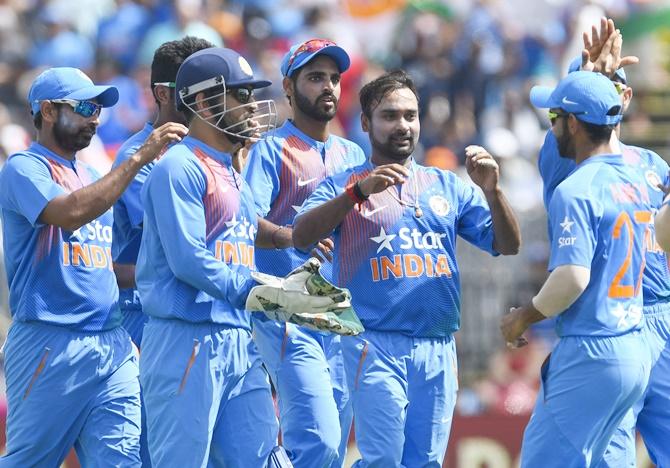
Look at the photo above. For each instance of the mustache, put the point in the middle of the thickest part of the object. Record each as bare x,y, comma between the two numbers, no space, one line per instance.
327,94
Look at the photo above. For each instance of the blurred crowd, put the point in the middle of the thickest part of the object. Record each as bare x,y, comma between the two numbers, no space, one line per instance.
472,60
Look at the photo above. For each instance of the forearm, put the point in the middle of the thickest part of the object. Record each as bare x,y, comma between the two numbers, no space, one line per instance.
273,236
82,206
662,225
563,287
125,275
506,231
319,222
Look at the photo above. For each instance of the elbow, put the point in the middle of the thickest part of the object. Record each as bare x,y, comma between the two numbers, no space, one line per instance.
300,240
508,248
662,225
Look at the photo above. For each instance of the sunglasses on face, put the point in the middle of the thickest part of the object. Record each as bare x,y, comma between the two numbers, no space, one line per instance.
167,84
555,114
620,87
83,108
242,95
310,46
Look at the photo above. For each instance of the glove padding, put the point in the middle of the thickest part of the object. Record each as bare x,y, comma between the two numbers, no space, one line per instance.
306,298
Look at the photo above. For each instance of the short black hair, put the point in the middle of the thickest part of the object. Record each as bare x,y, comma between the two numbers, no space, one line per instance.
373,92
170,55
37,121
598,134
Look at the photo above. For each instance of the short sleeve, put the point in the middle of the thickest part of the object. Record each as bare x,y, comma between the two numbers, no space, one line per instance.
26,187
474,218
573,226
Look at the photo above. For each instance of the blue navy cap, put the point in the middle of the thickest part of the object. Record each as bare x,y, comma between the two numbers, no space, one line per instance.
223,66
576,64
590,96
301,54
68,83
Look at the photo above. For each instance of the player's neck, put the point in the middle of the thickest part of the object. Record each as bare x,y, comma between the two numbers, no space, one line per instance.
47,140
319,131
379,159
210,136
588,151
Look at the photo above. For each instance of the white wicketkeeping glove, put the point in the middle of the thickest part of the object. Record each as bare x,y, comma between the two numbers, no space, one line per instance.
306,298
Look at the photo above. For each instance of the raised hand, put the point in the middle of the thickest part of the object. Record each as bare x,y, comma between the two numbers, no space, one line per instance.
383,177
602,49
159,139
482,168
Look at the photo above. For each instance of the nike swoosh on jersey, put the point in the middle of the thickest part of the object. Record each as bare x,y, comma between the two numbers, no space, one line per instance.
367,213
302,183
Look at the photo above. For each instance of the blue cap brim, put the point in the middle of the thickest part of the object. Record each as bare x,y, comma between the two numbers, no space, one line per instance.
540,96
335,52
106,96
255,84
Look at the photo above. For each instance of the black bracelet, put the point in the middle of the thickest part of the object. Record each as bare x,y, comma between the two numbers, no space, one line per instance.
359,193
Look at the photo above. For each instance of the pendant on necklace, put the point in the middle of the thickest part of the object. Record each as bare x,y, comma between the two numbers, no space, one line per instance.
418,212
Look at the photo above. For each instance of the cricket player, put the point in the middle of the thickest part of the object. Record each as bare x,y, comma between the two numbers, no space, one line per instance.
71,370
598,218
128,210
207,397
306,366
652,411
395,224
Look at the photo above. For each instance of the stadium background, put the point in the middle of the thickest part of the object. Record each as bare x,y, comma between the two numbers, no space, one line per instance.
473,62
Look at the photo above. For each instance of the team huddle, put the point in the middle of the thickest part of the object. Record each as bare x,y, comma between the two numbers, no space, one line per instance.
154,307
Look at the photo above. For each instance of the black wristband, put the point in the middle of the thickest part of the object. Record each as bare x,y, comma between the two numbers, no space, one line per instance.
359,193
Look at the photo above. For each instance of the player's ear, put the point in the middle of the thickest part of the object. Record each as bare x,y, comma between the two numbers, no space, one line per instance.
162,94
365,122
287,84
627,96
49,111
201,104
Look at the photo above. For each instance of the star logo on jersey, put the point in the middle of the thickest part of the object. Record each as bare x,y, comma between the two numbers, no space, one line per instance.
383,240
77,235
567,225
231,225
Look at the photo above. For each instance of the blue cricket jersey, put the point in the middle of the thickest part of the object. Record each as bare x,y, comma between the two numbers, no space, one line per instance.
128,211
599,218
402,270
554,169
197,246
55,276
282,171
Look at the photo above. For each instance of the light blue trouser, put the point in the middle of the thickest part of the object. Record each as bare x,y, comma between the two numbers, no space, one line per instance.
404,393
133,320
207,396
652,411
308,374
68,388
588,386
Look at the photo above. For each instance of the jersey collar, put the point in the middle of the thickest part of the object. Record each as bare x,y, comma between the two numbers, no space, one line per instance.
217,155
614,158
44,151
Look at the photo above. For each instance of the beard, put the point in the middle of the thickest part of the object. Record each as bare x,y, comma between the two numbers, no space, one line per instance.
70,137
566,149
390,149
237,129
313,109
